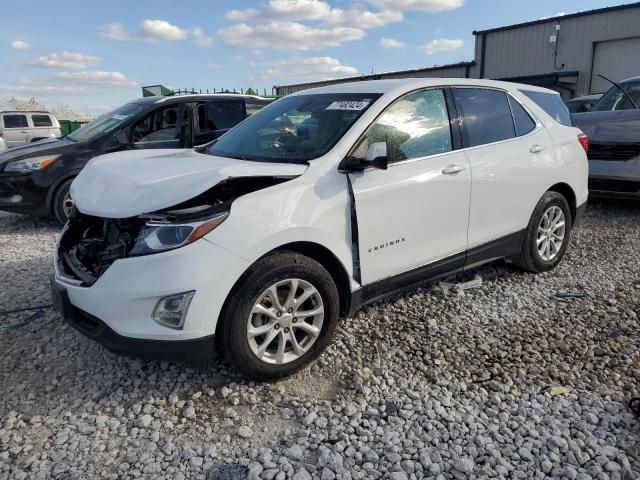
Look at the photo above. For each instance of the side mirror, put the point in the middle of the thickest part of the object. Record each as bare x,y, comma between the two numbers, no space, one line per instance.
121,139
376,157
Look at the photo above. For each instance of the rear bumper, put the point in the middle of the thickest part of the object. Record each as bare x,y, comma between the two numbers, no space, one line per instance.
615,178
198,352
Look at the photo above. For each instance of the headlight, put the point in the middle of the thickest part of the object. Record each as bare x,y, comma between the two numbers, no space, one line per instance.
158,237
31,164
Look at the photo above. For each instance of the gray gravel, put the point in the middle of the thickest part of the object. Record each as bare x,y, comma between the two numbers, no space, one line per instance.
441,383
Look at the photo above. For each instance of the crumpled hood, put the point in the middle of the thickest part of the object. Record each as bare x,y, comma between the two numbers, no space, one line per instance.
622,126
126,184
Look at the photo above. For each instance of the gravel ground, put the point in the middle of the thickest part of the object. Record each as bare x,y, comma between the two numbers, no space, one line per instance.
527,376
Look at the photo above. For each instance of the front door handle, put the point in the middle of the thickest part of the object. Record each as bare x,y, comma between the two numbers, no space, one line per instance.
537,148
453,169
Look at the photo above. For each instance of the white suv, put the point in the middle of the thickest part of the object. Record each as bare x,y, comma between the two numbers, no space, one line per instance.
324,201
20,128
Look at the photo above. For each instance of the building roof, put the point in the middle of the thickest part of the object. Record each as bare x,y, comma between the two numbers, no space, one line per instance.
377,76
558,18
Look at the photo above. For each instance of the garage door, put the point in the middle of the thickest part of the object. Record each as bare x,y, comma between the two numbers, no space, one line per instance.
615,59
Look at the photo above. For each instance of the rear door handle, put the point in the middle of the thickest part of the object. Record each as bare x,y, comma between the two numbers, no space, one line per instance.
537,148
453,169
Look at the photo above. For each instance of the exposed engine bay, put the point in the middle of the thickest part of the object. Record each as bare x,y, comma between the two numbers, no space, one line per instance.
90,245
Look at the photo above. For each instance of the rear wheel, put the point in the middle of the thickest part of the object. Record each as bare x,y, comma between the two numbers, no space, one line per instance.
547,235
62,203
281,317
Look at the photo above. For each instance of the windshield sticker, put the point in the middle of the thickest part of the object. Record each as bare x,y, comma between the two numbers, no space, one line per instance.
347,105
119,117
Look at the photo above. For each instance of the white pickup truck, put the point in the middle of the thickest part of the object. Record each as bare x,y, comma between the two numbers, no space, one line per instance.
19,128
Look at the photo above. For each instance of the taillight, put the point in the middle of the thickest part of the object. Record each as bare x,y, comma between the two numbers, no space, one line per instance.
584,141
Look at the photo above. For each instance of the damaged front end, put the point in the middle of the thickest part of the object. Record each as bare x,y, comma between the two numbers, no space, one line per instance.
89,245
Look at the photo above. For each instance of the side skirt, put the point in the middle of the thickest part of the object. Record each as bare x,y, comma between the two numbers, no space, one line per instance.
459,263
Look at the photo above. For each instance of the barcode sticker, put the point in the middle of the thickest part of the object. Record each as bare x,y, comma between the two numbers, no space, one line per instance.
347,105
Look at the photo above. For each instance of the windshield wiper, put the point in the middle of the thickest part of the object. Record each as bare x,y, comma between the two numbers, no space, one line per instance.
624,92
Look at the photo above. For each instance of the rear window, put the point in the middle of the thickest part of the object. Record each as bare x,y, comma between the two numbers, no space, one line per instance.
15,121
552,104
41,121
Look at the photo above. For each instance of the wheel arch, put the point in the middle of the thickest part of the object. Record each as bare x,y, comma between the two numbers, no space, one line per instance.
320,254
567,192
56,185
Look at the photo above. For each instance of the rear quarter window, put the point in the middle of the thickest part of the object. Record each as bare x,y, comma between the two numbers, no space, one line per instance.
552,104
41,121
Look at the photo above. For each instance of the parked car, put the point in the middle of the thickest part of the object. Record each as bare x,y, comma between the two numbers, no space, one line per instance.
263,239
3,144
36,178
613,127
583,104
20,128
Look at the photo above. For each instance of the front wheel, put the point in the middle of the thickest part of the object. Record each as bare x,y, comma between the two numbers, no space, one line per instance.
281,318
62,203
547,235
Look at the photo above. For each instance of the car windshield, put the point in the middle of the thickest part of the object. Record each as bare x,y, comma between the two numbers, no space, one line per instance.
105,123
294,129
615,99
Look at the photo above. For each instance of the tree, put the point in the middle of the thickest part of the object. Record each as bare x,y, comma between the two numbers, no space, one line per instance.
62,112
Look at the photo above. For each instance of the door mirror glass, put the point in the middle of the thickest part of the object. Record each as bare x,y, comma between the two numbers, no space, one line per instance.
377,155
121,139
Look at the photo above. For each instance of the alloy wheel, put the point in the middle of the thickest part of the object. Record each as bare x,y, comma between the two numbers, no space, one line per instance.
67,204
285,321
551,233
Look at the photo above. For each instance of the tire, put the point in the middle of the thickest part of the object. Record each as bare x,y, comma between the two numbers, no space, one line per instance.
60,198
531,258
239,314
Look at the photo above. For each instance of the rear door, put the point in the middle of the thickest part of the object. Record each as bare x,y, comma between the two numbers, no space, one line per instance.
215,117
169,126
43,126
413,217
16,129
510,156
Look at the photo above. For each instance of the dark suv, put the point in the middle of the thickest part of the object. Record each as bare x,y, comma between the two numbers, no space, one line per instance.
35,178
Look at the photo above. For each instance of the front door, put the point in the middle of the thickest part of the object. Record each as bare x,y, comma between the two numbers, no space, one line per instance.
165,127
16,129
414,215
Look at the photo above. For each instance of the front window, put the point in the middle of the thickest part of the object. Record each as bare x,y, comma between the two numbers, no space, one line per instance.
106,123
294,129
616,99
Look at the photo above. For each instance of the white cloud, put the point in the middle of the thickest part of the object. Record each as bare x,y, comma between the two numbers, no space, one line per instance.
391,43
20,45
116,31
316,11
288,36
214,66
301,68
162,30
113,79
150,31
200,38
65,60
442,45
421,5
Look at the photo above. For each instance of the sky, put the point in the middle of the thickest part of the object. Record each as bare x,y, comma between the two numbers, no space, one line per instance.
94,56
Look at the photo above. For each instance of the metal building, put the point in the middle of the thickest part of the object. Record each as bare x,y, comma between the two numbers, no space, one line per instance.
564,53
